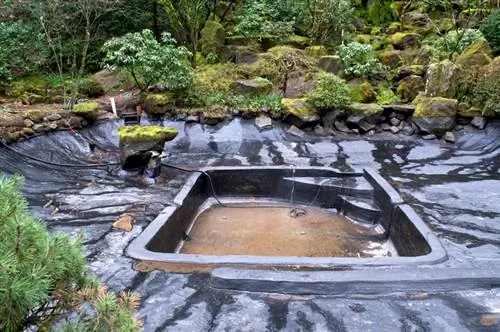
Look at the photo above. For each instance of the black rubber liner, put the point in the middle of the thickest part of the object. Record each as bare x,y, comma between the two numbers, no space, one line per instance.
413,240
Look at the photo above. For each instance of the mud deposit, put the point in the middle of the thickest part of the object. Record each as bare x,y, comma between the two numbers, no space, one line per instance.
271,231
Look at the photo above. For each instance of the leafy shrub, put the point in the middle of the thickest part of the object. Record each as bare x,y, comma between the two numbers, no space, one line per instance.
265,17
43,274
212,58
486,87
331,92
491,30
323,19
359,59
453,42
149,61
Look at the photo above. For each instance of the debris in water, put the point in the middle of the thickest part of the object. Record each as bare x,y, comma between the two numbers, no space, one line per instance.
124,222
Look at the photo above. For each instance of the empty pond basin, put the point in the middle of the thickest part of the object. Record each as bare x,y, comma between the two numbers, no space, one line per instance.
272,231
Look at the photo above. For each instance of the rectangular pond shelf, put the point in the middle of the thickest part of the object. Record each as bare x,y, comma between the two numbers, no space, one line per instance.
343,219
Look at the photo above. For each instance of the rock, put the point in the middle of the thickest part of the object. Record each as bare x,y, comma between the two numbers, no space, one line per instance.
263,122
399,108
295,131
391,59
317,50
366,126
415,19
362,93
297,41
488,320
192,118
479,122
299,113
212,117
319,130
385,126
423,56
329,119
75,122
429,137
393,28
253,86
28,123
330,63
53,117
406,71
298,84
35,115
477,54
38,128
442,80
365,109
435,115
239,54
408,131
405,40
53,126
409,87
340,126
213,37
87,110
449,137
124,222
395,121
394,129
135,141
159,104
28,131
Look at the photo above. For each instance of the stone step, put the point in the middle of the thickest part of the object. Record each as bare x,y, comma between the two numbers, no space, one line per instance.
360,209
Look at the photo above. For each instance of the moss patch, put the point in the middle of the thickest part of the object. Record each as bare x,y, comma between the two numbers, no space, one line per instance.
298,107
146,133
297,41
365,109
316,51
477,54
435,107
362,93
212,38
88,110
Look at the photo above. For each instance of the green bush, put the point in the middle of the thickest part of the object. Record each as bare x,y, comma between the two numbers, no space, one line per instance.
90,87
149,61
330,92
43,274
453,42
486,88
491,30
359,60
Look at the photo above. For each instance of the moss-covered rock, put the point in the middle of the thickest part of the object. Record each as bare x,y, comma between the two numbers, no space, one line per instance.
316,50
299,112
299,84
35,115
391,58
297,41
376,31
213,116
393,28
362,93
146,133
217,77
446,24
409,87
330,63
405,71
89,110
239,54
212,38
385,95
442,80
404,40
159,104
417,21
423,56
477,54
365,109
435,115
364,39
254,86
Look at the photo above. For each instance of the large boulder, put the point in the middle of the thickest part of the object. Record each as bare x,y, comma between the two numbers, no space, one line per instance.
254,86
330,63
88,110
299,113
138,142
404,40
442,80
212,38
477,54
435,115
159,104
409,87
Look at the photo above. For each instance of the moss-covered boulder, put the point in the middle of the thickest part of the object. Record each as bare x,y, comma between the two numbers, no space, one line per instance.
423,56
297,41
362,93
316,50
391,58
435,115
442,80
137,143
385,95
365,109
214,116
256,85
299,113
239,54
89,110
477,54
393,28
405,71
404,40
330,63
417,21
212,38
409,87
159,104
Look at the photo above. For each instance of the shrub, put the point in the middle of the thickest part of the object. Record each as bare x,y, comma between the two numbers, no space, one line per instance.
149,61
359,59
491,30
453,42
323,19
43,274
90,87
331,92
485,90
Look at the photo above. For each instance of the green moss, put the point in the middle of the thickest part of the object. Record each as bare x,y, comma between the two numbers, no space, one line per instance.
376,31
159,103
386,96
435,107
394,27
88,107
298,107
216,78
35,115
29,84
446,25
364,109
364,39
402,40
316,51
146,134
381,11
297,41
212,38
477,54
391,58
362,93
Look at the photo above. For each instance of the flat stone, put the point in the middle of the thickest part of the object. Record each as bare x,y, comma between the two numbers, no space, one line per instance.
449,137
395,121
429,137
394,129
408,131
340,125
28,131
124,222
263,122
479,122
403,108
295,131
366,126
53,117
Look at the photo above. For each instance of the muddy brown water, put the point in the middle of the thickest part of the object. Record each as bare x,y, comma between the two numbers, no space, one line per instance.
271,231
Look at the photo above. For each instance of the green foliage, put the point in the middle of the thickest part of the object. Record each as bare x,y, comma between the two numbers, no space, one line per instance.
90,87
491,30
21,50
382,11
331,92
323,19
211,58
149,61
386,96
359,59
452,42
485,88
266,17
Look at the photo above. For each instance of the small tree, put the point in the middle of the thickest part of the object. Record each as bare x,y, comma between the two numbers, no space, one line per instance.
148,61
359,59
